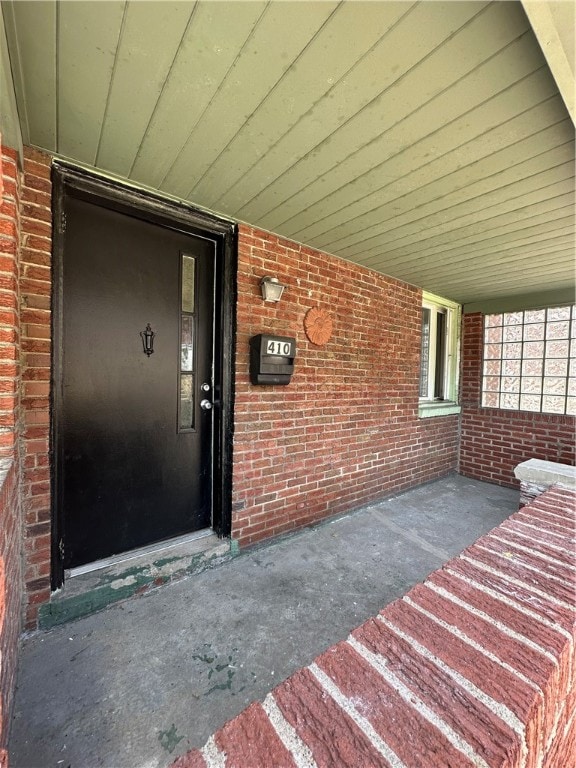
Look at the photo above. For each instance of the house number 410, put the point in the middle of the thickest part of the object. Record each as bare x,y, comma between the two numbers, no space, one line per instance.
278,348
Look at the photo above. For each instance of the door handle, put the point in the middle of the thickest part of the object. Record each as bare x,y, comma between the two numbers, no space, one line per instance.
206,405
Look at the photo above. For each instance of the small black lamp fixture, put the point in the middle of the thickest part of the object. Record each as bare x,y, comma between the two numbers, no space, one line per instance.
148,340
272,289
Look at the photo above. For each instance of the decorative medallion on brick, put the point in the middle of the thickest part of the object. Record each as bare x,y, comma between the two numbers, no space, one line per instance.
318,326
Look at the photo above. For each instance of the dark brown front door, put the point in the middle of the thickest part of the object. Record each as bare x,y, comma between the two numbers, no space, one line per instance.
136,437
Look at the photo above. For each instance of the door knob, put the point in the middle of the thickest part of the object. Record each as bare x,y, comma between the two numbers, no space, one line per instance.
206,405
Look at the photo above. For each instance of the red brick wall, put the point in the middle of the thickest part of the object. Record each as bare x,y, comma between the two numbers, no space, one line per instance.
11,588
346,430
343,433
472,667
35,288
493,441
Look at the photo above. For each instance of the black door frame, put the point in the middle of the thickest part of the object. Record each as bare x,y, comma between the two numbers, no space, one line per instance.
71,180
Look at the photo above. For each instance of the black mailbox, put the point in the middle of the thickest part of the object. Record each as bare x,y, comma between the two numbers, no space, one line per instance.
271,359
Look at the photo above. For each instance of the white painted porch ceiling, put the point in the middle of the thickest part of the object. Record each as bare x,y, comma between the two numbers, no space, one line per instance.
426,140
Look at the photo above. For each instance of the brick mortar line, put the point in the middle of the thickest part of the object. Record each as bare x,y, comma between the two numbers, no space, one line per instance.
510,542
300,751
378,663
497,708
519,582
535,552
562,523
213,755
468,641
539,539
344,703
511,603
495,622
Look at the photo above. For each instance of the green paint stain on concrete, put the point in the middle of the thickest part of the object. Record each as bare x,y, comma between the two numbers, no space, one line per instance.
120,586
234,547
169,739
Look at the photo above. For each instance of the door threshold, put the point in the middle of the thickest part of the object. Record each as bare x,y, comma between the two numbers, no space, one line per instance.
133,574
132,554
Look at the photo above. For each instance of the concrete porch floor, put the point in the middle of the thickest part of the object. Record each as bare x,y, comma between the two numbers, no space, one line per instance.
145,680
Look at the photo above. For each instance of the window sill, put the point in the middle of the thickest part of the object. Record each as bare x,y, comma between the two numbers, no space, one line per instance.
426,410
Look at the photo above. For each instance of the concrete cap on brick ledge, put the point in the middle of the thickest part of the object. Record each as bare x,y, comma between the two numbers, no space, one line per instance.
539,472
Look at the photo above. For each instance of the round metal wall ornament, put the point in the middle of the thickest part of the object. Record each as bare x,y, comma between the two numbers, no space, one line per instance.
318,326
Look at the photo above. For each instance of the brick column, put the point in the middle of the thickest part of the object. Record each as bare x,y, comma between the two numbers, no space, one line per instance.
35,287
10,507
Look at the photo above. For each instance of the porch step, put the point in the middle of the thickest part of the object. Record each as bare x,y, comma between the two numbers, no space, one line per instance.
89,589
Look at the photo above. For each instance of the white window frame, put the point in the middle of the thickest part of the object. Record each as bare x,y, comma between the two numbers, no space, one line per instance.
429,405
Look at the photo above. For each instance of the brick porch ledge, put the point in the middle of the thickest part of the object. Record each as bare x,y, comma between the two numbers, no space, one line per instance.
474,667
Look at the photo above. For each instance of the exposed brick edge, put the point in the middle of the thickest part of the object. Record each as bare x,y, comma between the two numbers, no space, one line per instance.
11,576
474,667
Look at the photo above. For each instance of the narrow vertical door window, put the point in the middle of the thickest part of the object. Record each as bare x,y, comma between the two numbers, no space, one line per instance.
187,346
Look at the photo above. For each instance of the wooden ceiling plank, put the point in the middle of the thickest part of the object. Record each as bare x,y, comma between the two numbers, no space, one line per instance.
508,165
217,33
280,36
31,33
439,173
553,221
150,41
507,283
487,128
88,40
353,114
483,217
540,259
506,273
459,75
330,55
479,206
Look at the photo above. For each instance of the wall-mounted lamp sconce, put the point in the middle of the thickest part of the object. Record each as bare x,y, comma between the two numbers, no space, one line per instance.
272,289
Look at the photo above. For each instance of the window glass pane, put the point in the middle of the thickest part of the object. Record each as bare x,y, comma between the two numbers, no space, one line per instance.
531,384
557,349
511,367
558,313
492,367
188,268
513,333
534,332
493,351
535,316
187,344
425,353
551,404
490,399
532,367
556,367
186,402
508,400
535,361
530,402
493,335
511,384
513,318
491,383
534,349
512,351
553,386
558,330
